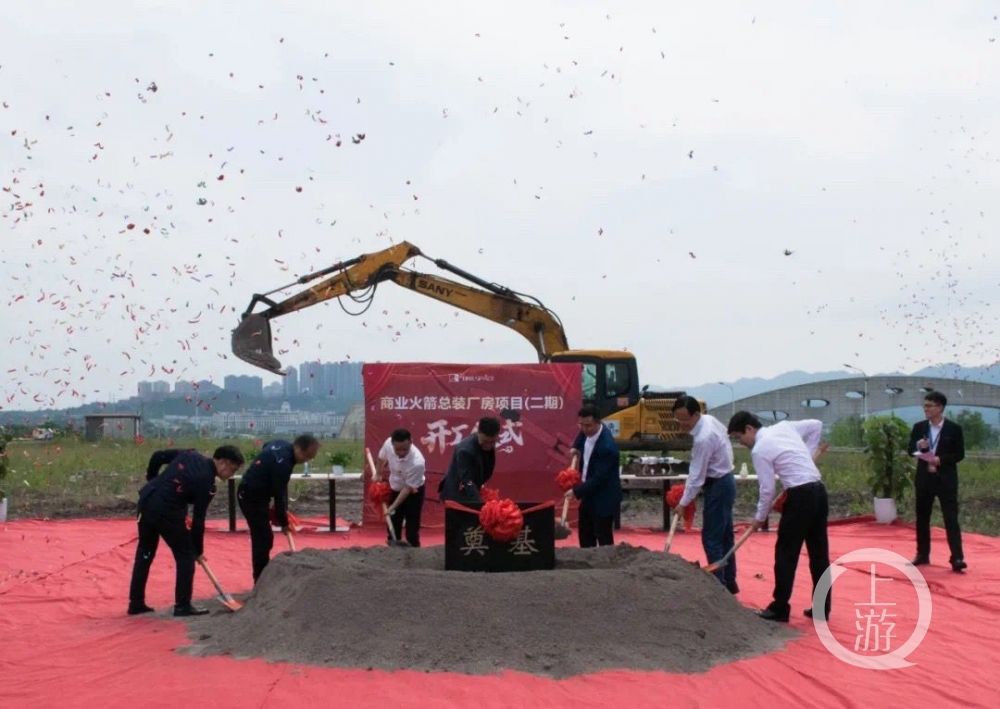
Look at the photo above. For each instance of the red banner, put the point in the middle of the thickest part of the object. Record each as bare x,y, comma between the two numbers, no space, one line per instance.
440,404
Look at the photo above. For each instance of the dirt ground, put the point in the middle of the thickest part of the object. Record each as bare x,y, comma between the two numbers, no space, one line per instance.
396,608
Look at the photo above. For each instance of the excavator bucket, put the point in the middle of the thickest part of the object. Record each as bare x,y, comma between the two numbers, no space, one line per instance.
252,343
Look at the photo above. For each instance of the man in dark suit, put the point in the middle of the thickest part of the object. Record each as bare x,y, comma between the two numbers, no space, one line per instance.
600,492
267,479
163,503
472,464
939,446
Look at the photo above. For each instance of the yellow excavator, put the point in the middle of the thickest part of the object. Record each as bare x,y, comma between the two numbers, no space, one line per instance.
638,418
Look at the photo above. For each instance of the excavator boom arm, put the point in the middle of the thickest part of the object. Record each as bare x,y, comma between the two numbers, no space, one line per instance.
251,340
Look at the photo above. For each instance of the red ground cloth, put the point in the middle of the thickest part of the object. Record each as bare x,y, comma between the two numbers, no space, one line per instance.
65,641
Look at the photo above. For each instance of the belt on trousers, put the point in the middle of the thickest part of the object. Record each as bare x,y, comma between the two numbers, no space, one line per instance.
709,482
806,486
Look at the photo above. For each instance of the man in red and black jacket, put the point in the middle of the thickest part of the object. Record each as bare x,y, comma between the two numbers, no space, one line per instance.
267,478
163,503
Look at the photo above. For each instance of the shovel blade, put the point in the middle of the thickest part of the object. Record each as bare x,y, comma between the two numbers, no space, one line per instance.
562,531
229,602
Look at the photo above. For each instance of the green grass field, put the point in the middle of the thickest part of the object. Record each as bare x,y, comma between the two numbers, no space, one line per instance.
71,477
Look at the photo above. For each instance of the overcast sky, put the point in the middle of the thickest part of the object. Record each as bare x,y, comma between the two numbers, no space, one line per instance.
642,168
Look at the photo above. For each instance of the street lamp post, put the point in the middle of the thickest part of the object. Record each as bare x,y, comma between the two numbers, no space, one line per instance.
732,398
858,369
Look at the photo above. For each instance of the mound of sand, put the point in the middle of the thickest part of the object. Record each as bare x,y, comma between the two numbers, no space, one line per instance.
395,608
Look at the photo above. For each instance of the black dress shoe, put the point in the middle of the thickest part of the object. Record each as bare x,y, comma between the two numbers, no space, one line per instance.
808,613
733,587
183,611
959,566
920,560
137,608
770,614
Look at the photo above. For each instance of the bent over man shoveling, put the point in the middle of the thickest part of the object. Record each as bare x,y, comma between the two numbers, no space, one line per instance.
787,452
267,478
188,480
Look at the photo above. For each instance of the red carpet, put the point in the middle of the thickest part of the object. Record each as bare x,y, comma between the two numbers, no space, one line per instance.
66,641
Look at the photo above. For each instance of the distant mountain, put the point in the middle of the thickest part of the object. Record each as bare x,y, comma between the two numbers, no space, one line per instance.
715,394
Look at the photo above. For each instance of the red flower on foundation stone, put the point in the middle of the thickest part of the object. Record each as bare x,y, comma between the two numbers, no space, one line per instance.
501,519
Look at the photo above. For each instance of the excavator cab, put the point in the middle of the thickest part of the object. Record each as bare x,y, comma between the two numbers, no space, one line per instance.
638,419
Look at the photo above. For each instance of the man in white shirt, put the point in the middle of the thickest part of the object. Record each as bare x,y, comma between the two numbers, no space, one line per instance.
406,468
711,470
787,451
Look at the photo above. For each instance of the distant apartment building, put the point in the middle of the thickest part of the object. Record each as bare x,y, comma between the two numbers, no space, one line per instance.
311,381
274,390
329,379
291,382
200,388
152,390
244,384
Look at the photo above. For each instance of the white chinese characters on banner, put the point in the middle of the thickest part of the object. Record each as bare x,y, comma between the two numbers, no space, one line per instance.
441,435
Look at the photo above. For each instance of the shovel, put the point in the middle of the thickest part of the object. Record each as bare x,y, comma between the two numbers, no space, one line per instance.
291,541
562,530
670,536
393,541
223,597
716,565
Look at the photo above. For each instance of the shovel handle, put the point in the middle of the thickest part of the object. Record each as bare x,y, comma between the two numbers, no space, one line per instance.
388,522
371,463
565,511
674,519
215,581
291,540
715,566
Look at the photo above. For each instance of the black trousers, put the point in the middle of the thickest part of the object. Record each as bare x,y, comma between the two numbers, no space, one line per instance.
152,526
944,486
261,536
594,530
408,513
802,520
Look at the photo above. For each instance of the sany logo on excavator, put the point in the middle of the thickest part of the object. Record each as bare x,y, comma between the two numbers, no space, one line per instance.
424,284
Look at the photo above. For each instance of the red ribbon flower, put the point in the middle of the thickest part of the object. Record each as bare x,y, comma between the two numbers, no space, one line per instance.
568,479
501,519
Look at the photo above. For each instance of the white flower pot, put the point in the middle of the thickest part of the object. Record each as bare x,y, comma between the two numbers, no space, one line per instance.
885,510
3,510
338,470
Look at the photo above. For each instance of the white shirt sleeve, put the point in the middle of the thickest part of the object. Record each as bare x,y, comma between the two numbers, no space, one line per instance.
697,470
765,482
810,431
386,450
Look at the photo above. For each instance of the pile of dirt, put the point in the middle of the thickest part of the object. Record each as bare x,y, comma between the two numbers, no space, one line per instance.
396,608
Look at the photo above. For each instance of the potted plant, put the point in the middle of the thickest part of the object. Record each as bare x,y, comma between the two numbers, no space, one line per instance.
889,465
4,471
339,460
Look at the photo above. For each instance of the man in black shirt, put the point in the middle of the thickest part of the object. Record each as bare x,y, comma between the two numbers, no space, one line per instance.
267,478
471,464
163,502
